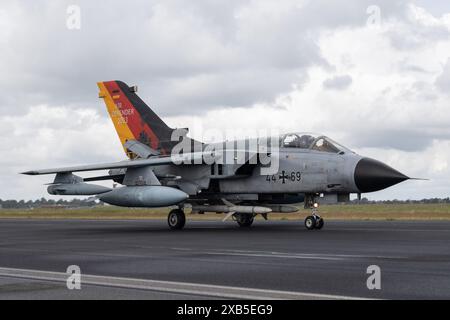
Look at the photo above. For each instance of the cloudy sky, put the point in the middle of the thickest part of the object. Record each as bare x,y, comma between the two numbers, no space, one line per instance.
373,75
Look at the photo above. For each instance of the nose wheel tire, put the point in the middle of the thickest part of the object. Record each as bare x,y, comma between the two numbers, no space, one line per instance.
310,222
176,219
319,223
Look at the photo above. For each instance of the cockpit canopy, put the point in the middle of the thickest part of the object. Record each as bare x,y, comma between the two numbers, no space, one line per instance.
311,141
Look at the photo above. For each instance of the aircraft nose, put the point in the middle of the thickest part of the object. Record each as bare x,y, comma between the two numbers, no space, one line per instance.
372,175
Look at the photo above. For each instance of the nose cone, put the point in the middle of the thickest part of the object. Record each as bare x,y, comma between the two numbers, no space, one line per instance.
372,175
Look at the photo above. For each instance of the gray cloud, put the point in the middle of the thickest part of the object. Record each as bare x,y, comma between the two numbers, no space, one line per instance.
443,80
395,139
413,33
435,7
338,82
227,53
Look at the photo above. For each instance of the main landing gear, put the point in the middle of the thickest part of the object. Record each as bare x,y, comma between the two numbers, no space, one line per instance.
176,219
314,221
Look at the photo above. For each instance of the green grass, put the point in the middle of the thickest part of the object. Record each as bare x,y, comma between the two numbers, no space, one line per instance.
344,212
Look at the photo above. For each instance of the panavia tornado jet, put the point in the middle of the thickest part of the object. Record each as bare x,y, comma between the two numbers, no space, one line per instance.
241,178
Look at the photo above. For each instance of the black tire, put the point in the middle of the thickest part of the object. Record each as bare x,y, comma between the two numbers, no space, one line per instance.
176,219
310,222
319,224
244,220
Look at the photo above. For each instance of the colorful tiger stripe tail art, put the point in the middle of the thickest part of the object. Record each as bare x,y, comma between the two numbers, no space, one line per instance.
133,118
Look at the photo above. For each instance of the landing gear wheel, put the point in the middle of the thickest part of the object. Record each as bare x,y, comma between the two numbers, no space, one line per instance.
310,222
176,219
319,223
244,220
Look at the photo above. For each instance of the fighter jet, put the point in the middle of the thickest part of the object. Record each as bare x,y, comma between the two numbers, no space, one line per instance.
241,179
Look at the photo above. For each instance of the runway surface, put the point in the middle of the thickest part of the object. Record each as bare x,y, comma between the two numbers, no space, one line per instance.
142,259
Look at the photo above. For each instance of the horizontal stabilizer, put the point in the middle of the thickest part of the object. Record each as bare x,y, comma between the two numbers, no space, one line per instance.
140,150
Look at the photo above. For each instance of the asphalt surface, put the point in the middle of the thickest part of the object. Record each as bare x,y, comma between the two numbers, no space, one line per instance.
12,288
414,258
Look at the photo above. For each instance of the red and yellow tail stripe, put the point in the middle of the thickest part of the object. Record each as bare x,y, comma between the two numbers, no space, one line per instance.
127,120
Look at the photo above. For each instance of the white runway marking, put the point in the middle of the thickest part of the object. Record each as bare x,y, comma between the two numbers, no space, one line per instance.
174,287
271,255
284,255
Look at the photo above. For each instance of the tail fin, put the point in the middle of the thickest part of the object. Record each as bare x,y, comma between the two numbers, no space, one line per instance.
133,119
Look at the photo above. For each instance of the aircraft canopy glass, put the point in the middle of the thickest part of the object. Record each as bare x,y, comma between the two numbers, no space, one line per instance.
310,141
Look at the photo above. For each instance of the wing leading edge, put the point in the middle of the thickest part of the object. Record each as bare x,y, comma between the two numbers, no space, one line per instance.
185,158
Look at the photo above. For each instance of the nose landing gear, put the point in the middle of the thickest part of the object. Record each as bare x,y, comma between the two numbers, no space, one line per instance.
314,221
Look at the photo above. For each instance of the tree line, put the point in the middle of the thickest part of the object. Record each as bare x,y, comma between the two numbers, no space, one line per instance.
90,202
39,203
